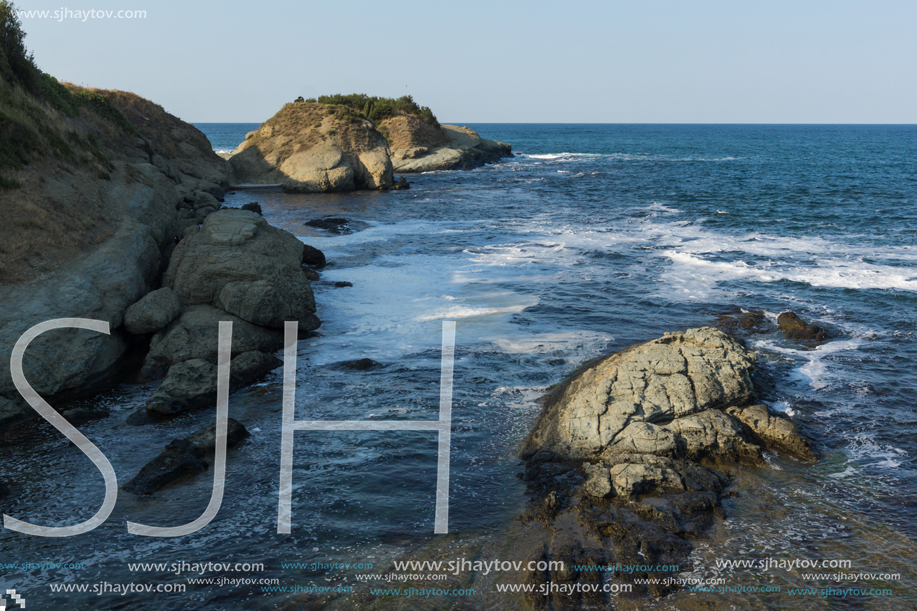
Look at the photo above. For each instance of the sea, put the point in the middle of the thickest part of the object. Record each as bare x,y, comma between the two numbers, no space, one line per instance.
591,238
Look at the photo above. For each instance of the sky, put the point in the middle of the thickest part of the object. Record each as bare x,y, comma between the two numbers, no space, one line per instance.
495,61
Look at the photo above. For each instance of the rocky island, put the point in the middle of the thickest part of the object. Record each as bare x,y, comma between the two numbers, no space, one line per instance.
345,143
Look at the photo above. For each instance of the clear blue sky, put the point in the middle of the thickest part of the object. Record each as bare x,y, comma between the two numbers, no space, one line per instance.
502,60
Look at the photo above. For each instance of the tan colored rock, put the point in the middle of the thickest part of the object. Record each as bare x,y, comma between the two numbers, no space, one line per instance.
778,433
314,148
463,149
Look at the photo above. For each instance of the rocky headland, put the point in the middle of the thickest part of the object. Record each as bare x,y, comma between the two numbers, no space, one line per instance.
113,212
632,454
331,145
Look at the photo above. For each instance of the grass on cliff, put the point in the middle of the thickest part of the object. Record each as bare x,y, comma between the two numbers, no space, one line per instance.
35,108
378,109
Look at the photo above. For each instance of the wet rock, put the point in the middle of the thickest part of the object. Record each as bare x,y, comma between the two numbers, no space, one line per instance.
401,185
183,458
334,224
312,256
253,207
360,364
775,432
796,328
82,415
342,285
674,376
743,323
192,384
175,462
13,413
153,312
311,274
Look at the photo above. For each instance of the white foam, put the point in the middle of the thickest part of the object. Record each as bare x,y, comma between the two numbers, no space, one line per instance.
814,368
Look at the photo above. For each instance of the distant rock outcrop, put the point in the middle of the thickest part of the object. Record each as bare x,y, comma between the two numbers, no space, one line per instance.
314,148
422,148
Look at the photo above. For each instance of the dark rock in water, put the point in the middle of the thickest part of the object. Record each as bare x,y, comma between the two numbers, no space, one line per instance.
744,323
796,328
360,364
4,490
312,256
204,440
82,415
401,185
342,285
311,274
176,461
249,366
13,413
183,458
253,207
334,224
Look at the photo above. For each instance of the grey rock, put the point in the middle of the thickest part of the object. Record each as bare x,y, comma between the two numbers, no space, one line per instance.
238,246
189,385
195,334
257,302
343,284
154,311
193,384
184,457
712,434
671,377
465,150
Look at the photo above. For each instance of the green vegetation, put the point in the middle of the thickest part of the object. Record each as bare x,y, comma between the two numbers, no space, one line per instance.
28,126
378,109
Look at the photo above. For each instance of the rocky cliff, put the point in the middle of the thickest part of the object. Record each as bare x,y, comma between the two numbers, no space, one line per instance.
449,147
103,211
314,148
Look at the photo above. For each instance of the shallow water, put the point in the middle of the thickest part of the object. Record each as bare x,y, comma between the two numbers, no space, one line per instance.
595,237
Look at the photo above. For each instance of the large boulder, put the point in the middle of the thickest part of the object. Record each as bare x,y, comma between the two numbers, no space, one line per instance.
153,312
314,148
677,375
195,335
240,263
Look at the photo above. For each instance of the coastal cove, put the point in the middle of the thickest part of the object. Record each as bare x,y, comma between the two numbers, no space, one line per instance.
590,239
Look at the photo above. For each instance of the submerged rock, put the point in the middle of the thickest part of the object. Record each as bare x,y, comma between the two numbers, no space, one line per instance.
184,457
333,224
360,364
796,328
4,490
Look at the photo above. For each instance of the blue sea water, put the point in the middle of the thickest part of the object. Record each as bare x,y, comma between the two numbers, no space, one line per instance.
591,238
